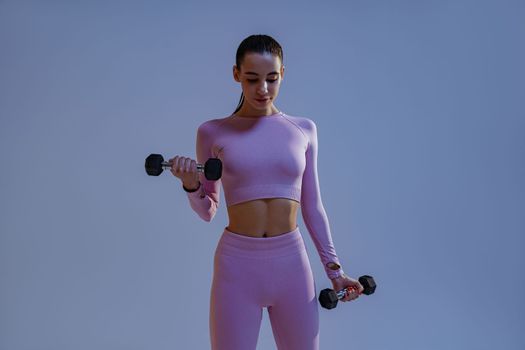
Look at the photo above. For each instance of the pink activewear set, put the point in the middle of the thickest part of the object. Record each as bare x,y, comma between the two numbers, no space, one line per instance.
264,157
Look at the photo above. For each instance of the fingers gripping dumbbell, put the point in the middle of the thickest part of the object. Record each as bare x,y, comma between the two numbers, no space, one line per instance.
212,169
329,298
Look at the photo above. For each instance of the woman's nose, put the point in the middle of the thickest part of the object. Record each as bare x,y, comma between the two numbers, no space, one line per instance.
264,88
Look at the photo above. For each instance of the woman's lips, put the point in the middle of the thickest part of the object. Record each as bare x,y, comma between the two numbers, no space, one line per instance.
262,100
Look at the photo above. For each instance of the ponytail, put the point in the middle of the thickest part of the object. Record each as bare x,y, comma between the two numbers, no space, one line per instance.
241,100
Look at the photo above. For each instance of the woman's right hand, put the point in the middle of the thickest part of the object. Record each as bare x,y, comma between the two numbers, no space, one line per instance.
185,169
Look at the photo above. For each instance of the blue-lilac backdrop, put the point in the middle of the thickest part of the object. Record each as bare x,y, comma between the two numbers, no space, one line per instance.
421,126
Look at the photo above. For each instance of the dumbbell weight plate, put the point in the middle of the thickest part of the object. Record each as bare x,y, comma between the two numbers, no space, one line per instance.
153,164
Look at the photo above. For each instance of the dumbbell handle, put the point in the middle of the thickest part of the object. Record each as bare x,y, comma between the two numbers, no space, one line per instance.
167,165
343,292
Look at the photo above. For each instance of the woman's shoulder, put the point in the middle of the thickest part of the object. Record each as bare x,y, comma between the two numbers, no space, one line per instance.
305,123
212,124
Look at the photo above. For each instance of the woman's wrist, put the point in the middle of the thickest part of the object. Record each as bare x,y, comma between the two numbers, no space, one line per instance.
337,275
340,275
334,270
191,187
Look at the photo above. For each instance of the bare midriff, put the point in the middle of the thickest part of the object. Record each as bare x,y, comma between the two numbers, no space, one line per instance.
265,217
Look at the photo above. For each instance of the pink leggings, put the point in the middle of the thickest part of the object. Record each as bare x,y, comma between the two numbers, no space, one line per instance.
252,273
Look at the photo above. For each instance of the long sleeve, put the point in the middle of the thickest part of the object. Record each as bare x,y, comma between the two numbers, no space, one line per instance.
312,210
205,201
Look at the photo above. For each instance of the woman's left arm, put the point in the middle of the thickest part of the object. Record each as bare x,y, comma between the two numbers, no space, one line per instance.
312,210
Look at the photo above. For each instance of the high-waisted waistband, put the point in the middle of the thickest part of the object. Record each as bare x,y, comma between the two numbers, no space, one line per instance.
235,244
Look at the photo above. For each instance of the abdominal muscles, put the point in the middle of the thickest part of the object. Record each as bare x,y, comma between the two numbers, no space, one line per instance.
263,217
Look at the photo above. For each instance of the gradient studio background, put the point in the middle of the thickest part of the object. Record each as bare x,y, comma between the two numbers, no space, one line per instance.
420,114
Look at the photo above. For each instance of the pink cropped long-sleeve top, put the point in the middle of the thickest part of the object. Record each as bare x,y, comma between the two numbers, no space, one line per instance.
266,157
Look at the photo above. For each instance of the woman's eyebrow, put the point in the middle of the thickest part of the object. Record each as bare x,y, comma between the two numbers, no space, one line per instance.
258,74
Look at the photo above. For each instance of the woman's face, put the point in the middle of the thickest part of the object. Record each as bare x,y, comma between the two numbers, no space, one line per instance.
260,76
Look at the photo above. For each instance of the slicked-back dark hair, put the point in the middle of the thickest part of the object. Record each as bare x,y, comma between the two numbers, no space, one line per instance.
257,43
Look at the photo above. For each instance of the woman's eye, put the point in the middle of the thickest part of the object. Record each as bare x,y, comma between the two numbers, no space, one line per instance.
269,80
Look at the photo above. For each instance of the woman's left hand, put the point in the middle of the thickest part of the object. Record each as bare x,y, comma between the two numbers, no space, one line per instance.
343,282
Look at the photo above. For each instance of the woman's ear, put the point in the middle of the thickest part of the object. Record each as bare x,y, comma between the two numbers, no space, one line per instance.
236,74
282,72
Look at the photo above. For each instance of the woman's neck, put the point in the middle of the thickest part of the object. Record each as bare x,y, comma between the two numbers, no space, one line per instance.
251,112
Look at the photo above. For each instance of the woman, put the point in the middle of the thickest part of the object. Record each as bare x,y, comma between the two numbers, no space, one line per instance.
269,170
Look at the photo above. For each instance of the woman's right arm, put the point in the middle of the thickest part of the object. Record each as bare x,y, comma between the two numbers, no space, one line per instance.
204,201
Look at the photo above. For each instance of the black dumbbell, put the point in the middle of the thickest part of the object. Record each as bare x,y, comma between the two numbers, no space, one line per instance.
155,164
329,298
